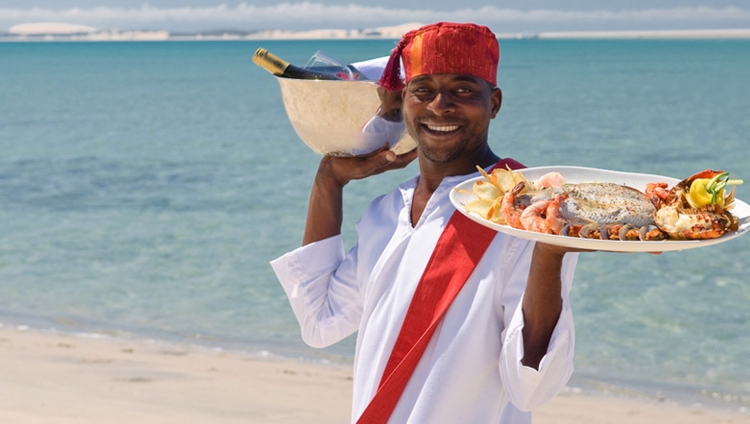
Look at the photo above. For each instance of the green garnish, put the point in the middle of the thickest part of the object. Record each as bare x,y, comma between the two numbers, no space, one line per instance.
717,183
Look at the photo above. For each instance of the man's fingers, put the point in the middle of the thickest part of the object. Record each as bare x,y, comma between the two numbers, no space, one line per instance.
380,162
405,158
393,161
346,169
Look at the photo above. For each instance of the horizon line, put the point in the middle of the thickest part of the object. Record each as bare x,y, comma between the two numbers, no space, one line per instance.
371,34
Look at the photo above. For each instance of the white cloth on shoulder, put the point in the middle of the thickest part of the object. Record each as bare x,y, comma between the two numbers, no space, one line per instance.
372,69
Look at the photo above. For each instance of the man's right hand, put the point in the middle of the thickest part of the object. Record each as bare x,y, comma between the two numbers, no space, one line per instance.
325,212
341,170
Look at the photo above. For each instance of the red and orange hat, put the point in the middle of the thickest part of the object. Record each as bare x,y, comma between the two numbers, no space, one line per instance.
444,48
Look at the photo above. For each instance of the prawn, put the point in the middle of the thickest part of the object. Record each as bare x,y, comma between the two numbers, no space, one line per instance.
543,217
511,214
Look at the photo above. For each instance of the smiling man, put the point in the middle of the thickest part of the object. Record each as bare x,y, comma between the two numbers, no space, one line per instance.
456,323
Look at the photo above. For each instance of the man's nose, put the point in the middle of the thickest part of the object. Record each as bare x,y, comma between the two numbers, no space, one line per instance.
441,103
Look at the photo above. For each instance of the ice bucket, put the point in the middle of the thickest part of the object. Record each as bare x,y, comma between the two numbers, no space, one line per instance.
344,118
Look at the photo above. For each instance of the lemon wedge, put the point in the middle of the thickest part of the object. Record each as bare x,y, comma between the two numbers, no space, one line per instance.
698,195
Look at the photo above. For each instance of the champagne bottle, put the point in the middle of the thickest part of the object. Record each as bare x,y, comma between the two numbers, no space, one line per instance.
284,69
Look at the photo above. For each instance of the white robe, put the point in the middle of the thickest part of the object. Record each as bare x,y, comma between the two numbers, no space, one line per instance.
471,371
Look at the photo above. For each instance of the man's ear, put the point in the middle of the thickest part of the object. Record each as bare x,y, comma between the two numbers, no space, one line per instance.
497,101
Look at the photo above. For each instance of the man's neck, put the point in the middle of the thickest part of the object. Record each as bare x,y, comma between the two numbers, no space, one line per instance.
431,174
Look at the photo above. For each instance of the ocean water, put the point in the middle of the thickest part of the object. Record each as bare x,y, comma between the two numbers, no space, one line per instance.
145,186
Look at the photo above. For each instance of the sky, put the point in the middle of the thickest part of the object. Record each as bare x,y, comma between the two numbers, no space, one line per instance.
502,16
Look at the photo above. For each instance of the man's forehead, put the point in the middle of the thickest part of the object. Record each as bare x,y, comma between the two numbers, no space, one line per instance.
448,77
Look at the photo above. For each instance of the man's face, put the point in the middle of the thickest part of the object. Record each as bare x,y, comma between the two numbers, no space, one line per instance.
449,114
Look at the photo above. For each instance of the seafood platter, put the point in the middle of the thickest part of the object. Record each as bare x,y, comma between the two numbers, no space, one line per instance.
597,209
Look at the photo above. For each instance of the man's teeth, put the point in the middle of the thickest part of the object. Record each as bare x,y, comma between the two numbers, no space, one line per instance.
442,128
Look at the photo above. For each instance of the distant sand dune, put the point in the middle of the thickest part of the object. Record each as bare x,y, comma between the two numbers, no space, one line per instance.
64,31
706,33
52,28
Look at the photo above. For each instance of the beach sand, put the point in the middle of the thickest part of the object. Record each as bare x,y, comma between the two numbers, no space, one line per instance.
58,378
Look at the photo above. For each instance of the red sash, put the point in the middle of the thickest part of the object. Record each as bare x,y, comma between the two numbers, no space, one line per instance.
458,251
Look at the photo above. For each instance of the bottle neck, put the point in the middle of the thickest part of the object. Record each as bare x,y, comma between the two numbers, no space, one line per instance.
270,62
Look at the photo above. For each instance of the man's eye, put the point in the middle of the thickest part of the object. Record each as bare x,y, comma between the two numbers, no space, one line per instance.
422,93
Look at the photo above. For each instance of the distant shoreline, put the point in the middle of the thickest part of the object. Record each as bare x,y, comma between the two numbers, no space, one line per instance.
374,34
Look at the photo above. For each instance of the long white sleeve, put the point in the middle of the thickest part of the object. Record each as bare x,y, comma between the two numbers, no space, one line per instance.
323,294
528,388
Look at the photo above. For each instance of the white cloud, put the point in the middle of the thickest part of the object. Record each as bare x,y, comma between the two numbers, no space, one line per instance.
316,15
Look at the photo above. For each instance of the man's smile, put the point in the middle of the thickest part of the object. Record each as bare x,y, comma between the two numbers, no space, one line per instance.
441,129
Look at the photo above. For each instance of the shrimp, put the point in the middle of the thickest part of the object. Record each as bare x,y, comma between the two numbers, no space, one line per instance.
657,192
549,180
511,214
543,217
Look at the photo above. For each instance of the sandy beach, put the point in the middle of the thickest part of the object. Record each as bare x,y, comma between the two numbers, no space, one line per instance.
57,378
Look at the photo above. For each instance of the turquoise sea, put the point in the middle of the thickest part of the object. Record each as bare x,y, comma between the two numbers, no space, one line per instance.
145,186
